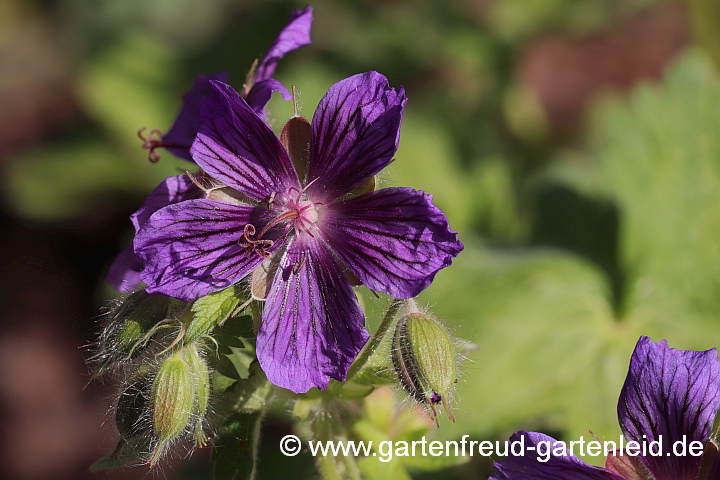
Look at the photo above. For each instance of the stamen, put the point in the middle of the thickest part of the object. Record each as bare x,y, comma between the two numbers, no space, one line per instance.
308,185
305,207
250,79
195,181
280,218
154,141
295,102
305,229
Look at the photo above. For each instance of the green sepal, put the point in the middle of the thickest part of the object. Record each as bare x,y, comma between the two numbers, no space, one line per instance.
201,376
173,396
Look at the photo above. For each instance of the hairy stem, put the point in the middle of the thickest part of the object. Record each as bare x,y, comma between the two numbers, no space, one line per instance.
374,342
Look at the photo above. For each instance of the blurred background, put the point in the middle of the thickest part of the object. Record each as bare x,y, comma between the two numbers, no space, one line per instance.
572,143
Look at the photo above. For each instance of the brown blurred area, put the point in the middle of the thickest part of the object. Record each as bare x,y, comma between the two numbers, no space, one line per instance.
567,75
53,422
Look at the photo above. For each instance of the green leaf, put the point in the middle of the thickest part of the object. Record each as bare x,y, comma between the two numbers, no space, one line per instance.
234,454
235,348
213,310
251,394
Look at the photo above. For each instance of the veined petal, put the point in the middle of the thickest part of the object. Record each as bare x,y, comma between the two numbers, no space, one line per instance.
295,35
355,133
674,394
192,248
553,467
183,131
124,271
237,148
171,190
394,240
312,325
260,93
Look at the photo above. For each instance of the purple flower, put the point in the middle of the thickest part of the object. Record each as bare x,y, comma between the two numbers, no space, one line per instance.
124,273
669,395
312,228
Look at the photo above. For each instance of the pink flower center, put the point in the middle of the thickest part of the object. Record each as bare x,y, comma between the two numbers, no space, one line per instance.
298,213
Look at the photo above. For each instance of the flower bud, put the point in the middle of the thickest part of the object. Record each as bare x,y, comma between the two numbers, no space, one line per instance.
173,395
201,376
137,320
131,409
425,360
129,329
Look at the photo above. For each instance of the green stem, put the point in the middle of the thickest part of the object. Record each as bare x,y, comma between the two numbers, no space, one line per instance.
326,463
374,342
256,435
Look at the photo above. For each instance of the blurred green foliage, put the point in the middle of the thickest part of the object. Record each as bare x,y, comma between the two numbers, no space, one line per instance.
572,252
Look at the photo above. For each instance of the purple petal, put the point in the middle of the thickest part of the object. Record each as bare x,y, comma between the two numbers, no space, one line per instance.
355,133
260,93
295,35
670,393
312,324
182,133
394,240
556,467
237,148
124,272
191,248
172,190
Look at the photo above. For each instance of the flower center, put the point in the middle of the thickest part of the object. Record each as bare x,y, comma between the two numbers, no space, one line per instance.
307,212
297,213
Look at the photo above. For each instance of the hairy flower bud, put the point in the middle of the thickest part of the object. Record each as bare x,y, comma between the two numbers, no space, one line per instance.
425,360
129,329
201,377
131,410
173,395
137,321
